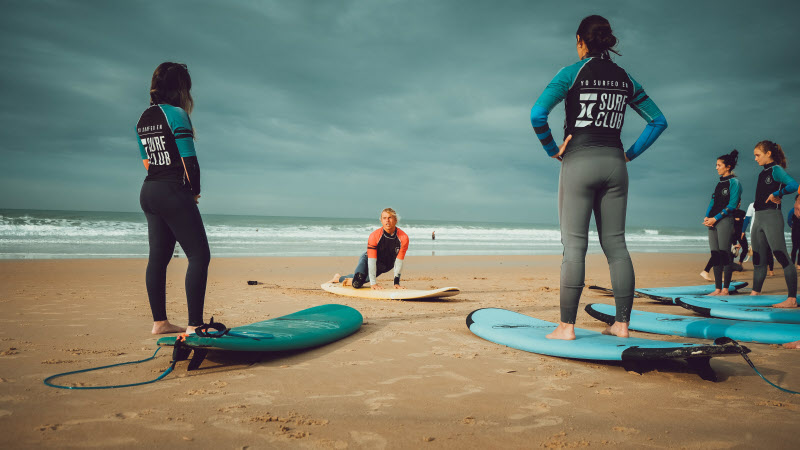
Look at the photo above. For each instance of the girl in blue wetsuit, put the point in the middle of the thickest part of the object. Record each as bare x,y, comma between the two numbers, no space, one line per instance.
773,183
594,176
719,220
170,194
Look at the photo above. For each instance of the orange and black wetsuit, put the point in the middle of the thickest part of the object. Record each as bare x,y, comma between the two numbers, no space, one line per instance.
384,252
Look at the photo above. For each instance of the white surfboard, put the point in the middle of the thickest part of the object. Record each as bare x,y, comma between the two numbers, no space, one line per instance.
389,293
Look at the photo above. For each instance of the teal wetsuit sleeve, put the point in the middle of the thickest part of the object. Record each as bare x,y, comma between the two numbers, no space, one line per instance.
710,205
780,175
656,122
142,151
181,127
746,223
735,198
553,94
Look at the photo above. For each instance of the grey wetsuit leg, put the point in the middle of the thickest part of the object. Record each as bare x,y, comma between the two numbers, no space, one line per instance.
719,240
594,179
768,234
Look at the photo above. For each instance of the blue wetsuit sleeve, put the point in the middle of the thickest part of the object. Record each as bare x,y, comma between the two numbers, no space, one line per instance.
647,109
746,223
142,151
181,127
735,197
553,94
710,205
780,175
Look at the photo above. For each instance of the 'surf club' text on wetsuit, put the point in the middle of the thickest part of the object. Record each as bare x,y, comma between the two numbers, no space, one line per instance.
166,141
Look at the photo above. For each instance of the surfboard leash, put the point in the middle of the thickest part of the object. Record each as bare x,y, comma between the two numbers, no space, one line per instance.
180,352
727,340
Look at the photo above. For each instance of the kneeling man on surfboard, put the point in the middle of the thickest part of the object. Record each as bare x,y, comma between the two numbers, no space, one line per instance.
386,249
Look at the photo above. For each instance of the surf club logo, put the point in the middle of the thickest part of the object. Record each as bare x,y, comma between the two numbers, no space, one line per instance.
156,150
768,180
601,110
724,192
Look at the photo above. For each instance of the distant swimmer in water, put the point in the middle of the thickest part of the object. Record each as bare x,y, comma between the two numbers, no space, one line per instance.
767,232
170,194
386,250
719,220
594,176
433,236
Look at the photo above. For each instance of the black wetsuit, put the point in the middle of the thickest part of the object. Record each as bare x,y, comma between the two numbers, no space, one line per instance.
167,199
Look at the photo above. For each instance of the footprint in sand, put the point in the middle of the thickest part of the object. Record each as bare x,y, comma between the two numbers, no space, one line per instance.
376,403
368,439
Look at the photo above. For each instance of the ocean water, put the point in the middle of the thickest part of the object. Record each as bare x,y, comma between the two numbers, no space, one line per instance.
35,234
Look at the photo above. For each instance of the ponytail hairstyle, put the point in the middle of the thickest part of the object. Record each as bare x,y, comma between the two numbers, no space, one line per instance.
595,32
730,159
172,84
777,152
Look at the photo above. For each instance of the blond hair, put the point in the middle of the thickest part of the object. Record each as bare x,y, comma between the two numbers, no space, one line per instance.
391,212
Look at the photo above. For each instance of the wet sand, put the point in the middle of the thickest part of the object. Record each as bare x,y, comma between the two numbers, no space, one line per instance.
412,377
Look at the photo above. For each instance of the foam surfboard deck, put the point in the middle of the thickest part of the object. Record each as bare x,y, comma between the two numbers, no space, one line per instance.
389,293
701,327
752,313
668,294
735,300
526,333
308,328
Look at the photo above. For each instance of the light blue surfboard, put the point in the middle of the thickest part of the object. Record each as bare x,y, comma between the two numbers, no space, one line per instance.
752,313
669,294
735,300
526,333
701,327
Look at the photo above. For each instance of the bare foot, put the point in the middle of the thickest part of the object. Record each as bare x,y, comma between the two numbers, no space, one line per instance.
771,273
618,329
164,327
347,282
795,344
335,278
755,293
725,292
564,331
790,302
716,292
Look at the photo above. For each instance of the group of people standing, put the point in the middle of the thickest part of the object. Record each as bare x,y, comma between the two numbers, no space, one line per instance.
593,180
766,234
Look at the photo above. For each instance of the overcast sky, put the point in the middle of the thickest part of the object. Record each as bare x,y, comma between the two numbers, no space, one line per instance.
340,108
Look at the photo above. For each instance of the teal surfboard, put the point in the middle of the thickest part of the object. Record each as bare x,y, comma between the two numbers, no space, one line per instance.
308,328
526,333
735,300
701,327
752,313
668,294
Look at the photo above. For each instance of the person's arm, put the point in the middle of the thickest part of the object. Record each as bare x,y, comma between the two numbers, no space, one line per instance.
746,223
710,205
553,94
735,197
656,122
780,175
372,256
181,127
401,255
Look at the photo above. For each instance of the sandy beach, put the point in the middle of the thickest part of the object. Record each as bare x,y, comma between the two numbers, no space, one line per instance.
414,376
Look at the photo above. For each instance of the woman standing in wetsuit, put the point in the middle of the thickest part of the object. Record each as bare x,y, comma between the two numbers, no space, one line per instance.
170,194
594,176
793,220
719,220
773,183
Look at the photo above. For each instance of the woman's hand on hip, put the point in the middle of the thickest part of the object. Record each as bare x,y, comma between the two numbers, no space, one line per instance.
561,148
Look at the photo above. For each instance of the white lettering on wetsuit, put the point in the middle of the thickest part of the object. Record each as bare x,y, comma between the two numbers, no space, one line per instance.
610,110
156,149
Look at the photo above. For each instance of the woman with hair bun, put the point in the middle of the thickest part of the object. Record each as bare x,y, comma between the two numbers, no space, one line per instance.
594,177
719,221
170,194
767,232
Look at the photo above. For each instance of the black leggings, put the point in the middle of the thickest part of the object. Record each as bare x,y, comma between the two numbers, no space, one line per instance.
172,215
795,242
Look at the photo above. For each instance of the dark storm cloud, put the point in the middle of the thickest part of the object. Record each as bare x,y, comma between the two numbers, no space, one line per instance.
340,108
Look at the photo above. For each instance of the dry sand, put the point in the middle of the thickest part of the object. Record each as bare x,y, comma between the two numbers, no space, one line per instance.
412,377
